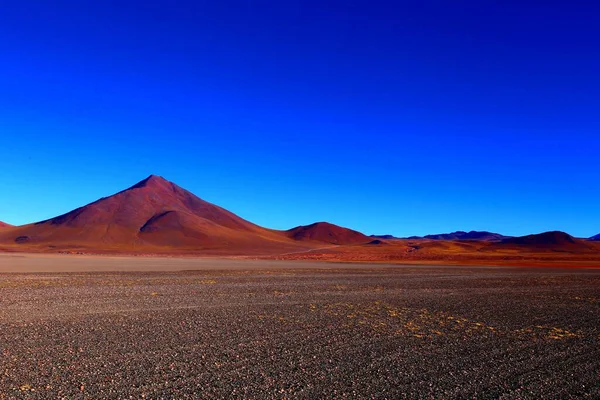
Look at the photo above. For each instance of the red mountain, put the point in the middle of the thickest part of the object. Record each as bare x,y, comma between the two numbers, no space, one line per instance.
547,241
154,214
4,225
327,233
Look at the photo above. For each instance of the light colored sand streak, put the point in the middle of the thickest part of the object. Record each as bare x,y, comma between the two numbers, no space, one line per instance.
51,263
54,263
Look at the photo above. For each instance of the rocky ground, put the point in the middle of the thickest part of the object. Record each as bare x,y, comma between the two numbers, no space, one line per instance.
333,332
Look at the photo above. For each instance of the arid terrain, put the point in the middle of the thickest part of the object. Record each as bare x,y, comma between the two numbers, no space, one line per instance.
120,327
552,249
156,217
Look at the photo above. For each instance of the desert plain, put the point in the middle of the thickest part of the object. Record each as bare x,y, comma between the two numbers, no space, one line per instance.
82,326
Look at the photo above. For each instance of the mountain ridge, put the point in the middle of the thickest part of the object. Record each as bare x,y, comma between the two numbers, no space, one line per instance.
385,237
463,235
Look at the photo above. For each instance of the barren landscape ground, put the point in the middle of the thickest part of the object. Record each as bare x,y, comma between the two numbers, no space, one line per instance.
100,327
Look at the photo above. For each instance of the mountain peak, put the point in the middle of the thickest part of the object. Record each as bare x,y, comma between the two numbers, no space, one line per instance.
152,181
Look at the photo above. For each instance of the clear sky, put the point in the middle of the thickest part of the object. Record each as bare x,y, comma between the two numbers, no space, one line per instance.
399,117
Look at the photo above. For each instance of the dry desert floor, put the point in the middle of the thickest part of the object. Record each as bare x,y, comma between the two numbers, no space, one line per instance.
81,327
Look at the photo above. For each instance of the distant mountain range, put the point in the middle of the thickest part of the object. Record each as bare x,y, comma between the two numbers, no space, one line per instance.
386,237
157,216
462,235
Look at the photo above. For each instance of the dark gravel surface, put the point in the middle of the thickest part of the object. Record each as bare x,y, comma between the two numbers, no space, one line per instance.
402,332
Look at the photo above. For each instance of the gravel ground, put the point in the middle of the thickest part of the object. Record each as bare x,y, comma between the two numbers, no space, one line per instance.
336,332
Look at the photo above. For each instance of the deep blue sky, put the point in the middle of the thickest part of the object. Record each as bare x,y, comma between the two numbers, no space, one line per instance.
400,117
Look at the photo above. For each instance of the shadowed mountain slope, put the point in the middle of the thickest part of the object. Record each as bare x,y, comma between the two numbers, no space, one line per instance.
327,233
597,237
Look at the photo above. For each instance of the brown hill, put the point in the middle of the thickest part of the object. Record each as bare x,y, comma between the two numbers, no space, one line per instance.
153,214
548,241
4,225
325,232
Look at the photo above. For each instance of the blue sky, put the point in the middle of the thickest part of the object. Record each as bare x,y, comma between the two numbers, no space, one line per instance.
406,118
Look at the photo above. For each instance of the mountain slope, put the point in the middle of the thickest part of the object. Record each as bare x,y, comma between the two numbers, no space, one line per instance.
4,225
325,232
152,214
597,237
